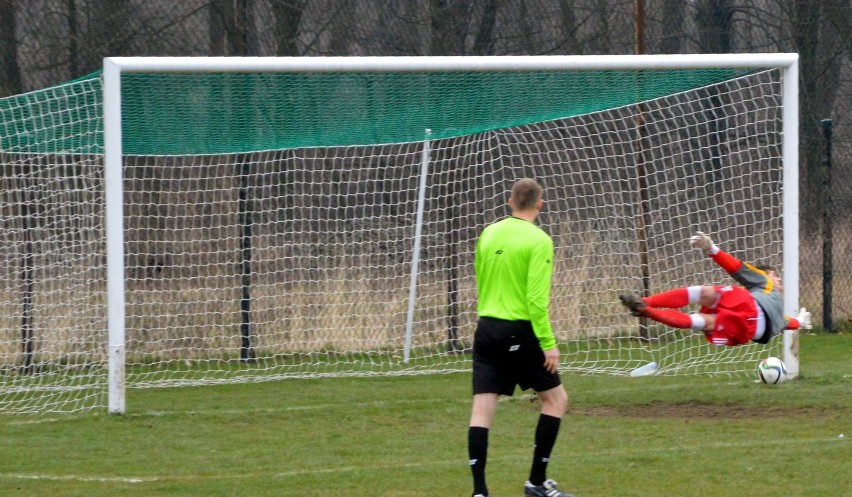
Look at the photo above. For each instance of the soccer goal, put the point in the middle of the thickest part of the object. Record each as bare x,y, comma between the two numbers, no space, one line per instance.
189,221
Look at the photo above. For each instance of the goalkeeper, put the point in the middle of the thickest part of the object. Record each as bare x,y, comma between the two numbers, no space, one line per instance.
729,315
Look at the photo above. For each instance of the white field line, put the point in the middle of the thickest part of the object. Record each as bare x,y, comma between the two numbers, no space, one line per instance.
97,479
607,454
269,410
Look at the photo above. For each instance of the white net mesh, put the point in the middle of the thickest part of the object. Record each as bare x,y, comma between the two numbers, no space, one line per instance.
52,278
297,263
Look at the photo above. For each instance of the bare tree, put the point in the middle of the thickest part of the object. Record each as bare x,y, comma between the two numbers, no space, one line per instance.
10,71
570,26
672,33
714,20
46,42
821,51
288,16
449,26
604,36
108,32
839,14
232,29
483,43
73,37
344,33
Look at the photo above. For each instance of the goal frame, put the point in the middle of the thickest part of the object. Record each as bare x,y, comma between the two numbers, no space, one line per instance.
114,67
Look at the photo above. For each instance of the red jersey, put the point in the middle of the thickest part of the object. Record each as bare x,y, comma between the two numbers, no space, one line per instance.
737,311
736,316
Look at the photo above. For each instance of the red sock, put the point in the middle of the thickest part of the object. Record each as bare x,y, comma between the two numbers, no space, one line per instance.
673,299
670,317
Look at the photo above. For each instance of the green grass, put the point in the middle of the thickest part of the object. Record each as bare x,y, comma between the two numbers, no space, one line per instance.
406,436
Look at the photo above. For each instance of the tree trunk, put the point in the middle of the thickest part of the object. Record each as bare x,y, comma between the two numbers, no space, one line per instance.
713,18
73,39
672,27
483,44
10,71
288,16
107,34
567,10
448,21
231,28
820,79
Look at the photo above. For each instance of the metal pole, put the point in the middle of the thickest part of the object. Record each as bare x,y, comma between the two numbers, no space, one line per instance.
247,353
28,279
643,219
415,257
453,233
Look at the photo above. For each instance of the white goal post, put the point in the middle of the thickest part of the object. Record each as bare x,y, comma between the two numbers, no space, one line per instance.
264,218
116,66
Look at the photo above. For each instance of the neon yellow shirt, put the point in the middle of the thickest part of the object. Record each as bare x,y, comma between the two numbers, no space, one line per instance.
514,268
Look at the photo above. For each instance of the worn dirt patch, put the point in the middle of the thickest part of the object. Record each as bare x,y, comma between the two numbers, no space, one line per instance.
689,410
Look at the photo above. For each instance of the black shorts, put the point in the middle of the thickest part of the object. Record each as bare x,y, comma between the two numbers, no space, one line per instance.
507,353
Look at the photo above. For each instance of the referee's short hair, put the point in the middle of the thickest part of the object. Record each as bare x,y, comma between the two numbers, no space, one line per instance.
526,193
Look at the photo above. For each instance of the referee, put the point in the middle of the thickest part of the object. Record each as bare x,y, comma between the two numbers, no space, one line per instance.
514,342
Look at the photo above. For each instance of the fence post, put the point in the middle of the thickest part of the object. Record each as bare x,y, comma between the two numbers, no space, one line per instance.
827,222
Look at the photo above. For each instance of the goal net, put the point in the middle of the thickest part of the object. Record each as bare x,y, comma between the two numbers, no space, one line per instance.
286,218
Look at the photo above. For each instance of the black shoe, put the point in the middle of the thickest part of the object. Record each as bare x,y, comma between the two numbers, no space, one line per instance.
634,305
547,489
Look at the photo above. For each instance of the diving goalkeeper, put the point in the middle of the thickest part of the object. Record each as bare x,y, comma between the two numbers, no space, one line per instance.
729,315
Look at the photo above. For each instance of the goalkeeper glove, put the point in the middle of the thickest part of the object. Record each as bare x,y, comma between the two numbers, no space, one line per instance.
804,319
703,242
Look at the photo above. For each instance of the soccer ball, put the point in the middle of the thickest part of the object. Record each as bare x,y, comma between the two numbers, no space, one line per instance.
772,370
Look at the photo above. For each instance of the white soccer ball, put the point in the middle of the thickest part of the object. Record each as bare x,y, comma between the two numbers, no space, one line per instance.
772,370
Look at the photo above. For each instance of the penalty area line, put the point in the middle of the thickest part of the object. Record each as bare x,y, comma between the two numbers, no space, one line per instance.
96,479
249,410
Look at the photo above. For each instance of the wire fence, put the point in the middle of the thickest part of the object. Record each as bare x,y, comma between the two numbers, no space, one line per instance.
46,42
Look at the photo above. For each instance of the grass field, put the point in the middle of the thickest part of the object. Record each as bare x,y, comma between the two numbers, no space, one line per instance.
406,437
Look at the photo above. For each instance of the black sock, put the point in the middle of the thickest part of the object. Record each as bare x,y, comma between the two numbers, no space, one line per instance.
545,438
477,449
